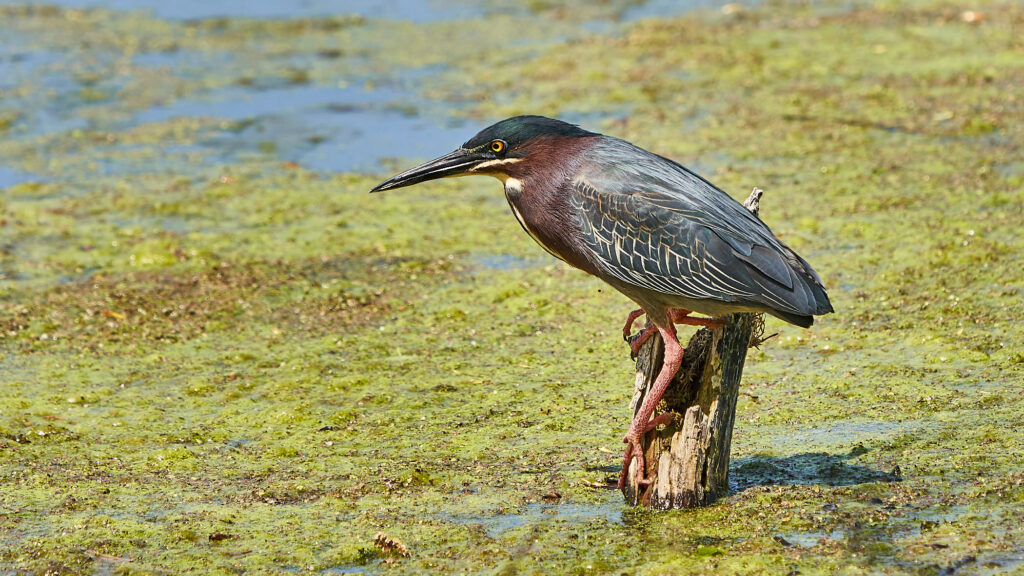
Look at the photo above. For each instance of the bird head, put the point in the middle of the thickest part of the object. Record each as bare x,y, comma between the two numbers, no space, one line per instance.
501,150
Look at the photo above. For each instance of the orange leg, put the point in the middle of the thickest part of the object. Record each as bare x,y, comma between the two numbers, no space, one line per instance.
681,316
676,316
642,421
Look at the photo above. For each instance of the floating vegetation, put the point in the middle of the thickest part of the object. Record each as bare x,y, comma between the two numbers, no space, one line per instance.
220,351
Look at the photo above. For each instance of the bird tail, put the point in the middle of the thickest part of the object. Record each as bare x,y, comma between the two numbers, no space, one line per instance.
803,321
814,285
808,298
822,305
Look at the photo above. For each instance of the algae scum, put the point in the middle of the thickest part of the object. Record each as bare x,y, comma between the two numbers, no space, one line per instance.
220,355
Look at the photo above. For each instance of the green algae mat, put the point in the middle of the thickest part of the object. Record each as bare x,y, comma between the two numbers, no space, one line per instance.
220,355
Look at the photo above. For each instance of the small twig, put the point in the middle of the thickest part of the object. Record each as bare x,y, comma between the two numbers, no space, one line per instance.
756,340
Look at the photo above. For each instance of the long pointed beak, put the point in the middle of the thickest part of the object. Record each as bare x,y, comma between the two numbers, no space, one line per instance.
452,164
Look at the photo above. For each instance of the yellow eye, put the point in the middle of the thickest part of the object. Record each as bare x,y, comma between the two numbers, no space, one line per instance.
497,146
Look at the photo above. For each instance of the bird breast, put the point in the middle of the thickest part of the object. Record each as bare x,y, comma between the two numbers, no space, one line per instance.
514,195
540,213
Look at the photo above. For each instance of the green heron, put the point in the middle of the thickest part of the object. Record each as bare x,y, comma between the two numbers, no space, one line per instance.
666,238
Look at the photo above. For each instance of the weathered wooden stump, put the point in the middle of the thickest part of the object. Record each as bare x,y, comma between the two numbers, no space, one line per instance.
689,458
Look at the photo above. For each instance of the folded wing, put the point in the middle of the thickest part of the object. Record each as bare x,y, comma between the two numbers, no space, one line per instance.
675,233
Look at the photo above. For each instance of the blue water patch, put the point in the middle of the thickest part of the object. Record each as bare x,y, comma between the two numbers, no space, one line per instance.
509,262
46,107
53,102
1012,169
184,63
321,128
414,10
497,525
11,177
16,64
837,437
239,103
669,8
813,538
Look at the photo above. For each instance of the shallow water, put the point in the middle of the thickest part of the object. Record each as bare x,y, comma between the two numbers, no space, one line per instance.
17,64
327,129
352,124
353,127
415,10
609,511
10,177
508,262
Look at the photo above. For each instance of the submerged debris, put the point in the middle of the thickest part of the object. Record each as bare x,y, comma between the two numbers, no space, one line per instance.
389,545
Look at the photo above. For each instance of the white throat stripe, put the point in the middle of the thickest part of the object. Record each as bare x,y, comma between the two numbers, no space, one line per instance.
496,162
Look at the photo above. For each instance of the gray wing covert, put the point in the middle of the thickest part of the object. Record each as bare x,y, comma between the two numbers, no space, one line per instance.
670,251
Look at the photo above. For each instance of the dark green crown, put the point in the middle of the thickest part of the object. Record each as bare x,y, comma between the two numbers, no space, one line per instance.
519,129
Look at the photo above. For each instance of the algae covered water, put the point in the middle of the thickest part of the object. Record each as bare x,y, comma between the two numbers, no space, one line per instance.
220,355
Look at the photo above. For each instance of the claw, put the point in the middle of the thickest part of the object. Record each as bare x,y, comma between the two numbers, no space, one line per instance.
628,328
676,316
636,341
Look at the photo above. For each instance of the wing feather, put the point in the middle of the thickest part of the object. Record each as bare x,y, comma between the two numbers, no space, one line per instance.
661,233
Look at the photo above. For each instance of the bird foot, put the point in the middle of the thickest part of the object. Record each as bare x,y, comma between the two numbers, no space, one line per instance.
636,341
663,419
628,328
634,450
676,315
680,316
